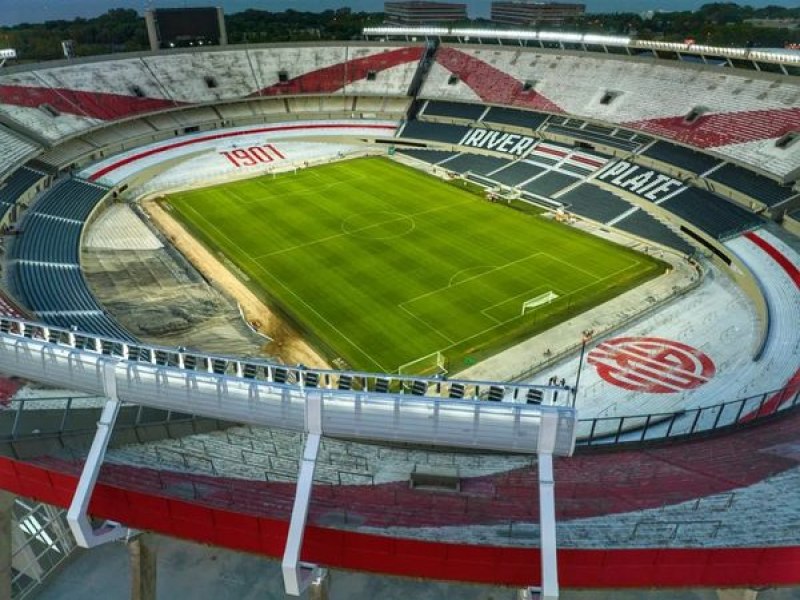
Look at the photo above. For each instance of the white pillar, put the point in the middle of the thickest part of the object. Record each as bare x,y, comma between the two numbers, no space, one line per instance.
547,528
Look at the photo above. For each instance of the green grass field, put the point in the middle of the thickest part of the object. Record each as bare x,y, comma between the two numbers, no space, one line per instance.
380,264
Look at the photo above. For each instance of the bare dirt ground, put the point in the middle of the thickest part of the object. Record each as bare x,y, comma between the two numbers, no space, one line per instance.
287,343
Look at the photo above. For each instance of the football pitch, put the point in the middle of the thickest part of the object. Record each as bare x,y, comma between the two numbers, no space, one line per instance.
380,264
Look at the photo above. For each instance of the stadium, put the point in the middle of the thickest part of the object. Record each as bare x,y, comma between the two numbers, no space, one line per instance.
514,309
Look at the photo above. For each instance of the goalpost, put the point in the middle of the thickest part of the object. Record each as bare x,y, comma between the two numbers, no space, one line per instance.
429,365
539,300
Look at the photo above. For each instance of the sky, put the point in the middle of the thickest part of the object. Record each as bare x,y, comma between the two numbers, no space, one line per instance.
19,11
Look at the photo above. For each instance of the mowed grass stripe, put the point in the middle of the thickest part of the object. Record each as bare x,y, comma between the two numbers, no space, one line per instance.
349,251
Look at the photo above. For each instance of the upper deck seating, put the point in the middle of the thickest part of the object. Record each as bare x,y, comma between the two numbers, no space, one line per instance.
68,99
700,106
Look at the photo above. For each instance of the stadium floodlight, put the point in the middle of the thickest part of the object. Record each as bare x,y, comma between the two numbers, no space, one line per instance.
501,34
6,54
744,53
781,56
606,40
405,31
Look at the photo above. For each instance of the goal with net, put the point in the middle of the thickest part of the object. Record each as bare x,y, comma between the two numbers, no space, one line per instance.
429,365
539,300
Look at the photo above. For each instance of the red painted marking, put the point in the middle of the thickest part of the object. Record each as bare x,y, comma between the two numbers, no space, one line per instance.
97,105
219,136
585,160
490,83
651,365
773,403
597,568
548,150
777,256
8,387
722,129
336,77
275,150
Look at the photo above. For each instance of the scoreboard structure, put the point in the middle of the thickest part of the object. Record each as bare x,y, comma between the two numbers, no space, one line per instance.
185,27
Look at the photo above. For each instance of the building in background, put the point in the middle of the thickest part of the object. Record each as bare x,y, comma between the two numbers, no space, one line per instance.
182,27
527,12
416,12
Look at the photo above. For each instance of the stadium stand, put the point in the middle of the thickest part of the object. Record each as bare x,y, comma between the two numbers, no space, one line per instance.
438,132
517,173
761,189
19,182
594,134
740,108
549,183
525,119
119,133
67,153
218,486
15,150
59,102
452,110
428,156
717,217
48,240
475,163
774,264
681,157
72,199
642,224
593,203
44,260
54,288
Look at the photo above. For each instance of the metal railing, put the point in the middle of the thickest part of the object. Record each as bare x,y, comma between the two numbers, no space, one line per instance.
703,420
49,416
298,376
600,431
379,407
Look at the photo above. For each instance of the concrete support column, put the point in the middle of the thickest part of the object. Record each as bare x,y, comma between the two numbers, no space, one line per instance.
142,556
6,525
320,587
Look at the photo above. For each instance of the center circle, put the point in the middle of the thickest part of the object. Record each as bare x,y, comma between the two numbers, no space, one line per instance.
378,225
